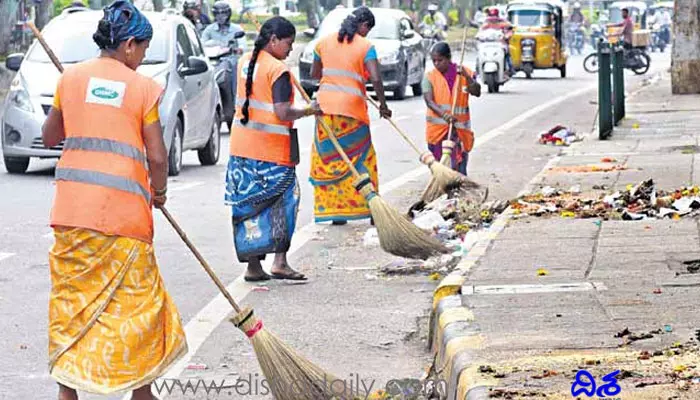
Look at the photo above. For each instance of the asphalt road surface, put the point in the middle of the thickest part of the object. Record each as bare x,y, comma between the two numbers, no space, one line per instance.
344,319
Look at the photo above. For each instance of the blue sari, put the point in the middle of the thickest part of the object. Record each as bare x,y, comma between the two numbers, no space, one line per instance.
264,200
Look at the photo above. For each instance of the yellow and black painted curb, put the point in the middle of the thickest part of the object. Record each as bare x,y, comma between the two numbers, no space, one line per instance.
455,338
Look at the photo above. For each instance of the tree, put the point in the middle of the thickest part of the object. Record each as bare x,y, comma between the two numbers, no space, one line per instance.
685,58
43,13
158,5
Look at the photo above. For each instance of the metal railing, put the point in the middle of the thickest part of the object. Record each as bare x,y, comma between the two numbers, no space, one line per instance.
611,88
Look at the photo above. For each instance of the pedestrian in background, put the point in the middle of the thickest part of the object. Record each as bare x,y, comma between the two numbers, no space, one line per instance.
342,62
112,325
261,182
439,86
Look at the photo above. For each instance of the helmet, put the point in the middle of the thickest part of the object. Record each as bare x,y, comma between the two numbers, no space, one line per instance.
221,7
577,5
189,4
493,12
433,7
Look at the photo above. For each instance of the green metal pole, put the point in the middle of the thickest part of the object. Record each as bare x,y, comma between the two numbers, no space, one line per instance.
619,84
605,109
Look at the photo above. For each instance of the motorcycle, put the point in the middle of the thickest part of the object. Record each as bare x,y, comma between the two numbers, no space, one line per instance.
597,33
225,62
431,34
575,38
491,59
635,59
658,38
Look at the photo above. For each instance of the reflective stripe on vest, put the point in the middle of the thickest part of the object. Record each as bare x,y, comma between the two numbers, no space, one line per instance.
457,124
259,105
259,126
102,179
326,87
458,110
104,145
343,73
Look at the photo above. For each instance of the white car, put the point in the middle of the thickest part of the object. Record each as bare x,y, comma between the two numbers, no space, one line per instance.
190,109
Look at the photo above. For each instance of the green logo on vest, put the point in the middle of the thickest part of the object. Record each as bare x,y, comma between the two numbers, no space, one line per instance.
104,93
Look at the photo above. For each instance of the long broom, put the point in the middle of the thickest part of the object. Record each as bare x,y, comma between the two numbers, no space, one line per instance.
289,375
435,188
397,235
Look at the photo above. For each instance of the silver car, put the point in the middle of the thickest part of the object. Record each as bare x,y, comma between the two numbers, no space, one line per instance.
190,109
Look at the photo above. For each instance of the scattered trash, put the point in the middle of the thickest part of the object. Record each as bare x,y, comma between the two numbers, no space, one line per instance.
667,328
587,168
542,272
693,266
23,347
196,366
260,289
559,136
485,369
435,276
657,291
430,220
635,125
608,160
371,277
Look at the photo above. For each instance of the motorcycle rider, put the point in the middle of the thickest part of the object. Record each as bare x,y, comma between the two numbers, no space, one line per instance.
192,11
494,21
222,32
577,16
436,20
664,20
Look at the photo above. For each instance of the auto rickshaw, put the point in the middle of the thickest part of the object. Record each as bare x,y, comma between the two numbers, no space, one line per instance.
638,10
537,36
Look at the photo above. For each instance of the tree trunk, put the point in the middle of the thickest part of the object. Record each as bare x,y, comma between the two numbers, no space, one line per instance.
43,14
685,58
158,5
8,16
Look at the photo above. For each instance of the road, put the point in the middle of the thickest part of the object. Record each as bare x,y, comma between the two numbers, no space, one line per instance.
344,319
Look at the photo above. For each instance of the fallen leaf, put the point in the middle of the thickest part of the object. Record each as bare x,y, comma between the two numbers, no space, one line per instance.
435,276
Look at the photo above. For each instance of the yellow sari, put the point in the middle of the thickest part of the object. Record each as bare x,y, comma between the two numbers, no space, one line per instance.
112,325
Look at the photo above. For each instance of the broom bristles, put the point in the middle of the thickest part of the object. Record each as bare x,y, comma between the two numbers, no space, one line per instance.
289,375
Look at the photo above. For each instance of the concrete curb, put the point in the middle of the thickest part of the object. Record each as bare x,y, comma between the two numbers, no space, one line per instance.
454,336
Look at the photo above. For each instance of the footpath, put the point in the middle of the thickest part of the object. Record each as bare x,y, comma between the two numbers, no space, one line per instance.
584,274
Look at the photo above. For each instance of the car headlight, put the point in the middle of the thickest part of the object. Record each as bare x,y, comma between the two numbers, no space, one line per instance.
19,97
389,58
307,56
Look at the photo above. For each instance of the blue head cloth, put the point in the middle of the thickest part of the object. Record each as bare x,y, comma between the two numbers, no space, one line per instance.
126,21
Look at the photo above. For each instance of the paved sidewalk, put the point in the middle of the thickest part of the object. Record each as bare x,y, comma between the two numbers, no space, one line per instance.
602,276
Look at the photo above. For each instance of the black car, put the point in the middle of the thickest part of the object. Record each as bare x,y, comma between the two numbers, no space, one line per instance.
400,50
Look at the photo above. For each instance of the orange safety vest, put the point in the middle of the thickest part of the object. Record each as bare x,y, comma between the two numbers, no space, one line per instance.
436,127
102,182
342,87
265,137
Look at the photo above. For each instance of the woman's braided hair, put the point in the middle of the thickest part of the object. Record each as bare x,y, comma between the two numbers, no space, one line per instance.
276,26
352,22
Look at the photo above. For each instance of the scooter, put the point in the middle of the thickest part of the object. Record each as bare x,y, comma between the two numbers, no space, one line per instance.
491,59
431,34
225,62
658,38
576,39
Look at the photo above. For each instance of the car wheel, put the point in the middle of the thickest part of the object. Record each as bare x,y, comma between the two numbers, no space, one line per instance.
16,165
175,154
400,91
417,89
230,125
209,155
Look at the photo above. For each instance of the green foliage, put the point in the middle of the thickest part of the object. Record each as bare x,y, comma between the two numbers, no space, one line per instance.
60,5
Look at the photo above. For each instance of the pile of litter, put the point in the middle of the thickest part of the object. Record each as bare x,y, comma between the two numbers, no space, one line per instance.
559,136
637,202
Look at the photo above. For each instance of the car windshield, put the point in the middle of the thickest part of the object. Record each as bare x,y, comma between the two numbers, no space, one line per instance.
530,18
72,43
386,27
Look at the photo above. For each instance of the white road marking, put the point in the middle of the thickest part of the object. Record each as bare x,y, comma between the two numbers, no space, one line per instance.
526,289
199,328
5,255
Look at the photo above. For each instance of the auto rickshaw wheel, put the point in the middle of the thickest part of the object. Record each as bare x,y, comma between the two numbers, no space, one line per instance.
562,71
528,68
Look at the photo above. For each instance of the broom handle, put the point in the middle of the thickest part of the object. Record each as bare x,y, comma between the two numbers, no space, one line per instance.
201,259
457,81
397,128
46,47
325,126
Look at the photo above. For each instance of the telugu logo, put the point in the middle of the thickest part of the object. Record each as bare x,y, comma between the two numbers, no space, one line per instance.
104,93
585,384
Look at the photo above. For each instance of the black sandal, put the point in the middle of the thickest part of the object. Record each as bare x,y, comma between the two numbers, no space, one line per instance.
261,278
293,276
